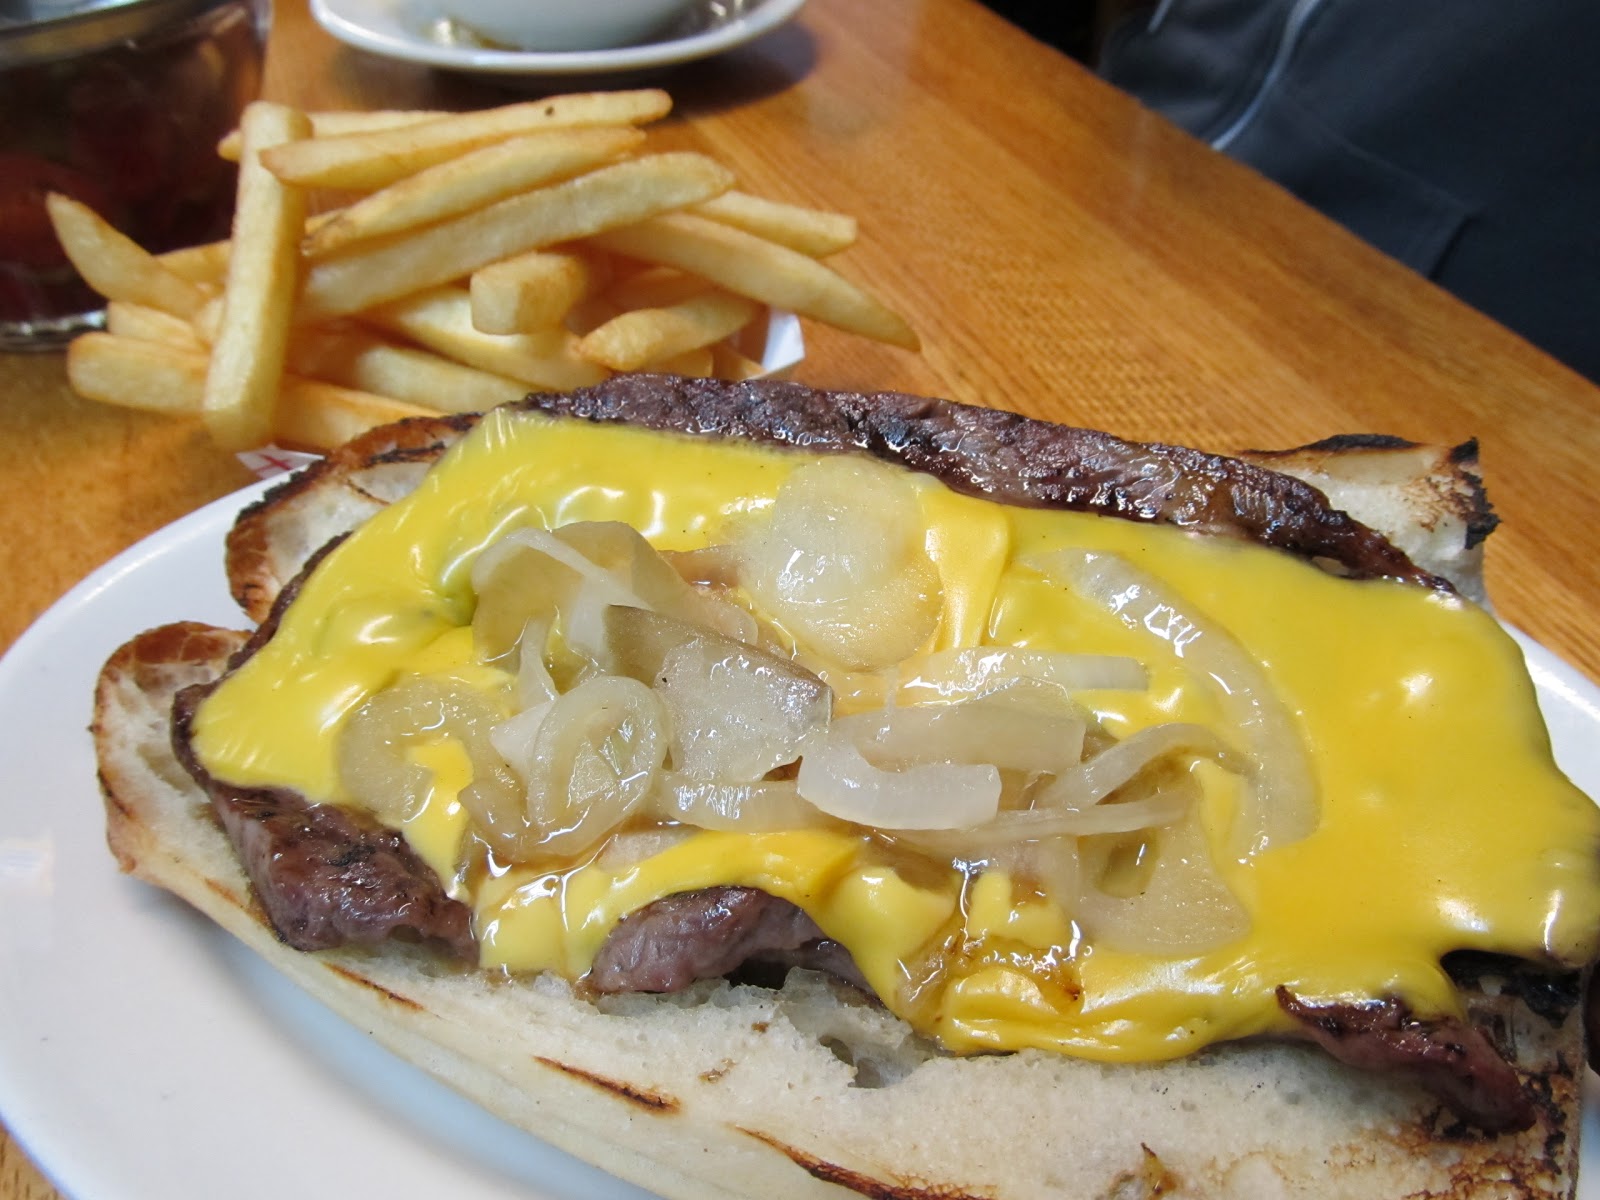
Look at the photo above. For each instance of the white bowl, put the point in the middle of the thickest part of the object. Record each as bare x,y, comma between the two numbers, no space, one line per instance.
564,25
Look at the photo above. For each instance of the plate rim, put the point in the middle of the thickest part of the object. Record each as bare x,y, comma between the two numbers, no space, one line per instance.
342,19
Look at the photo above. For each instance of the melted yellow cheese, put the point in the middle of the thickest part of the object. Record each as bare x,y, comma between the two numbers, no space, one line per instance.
1443,825
435,831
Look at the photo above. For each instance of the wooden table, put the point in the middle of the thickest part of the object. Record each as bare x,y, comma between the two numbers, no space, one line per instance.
1060,250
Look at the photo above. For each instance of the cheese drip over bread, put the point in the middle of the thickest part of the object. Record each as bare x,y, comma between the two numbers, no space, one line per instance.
1442,822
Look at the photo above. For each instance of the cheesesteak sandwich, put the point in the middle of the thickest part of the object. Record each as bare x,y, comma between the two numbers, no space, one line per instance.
768,792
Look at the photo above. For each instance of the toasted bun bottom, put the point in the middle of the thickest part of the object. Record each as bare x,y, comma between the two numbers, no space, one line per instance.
807,1091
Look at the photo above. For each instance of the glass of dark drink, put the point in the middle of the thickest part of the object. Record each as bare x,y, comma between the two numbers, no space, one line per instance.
119,104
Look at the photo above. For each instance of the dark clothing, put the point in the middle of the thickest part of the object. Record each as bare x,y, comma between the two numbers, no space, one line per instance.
1462,137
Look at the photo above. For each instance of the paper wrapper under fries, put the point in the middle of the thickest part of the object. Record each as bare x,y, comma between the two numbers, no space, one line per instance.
477,257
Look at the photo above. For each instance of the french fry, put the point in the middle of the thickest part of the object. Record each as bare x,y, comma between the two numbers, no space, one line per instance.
127,319
367,161
530,291
441,320
337,124
728,363
655,287
160,377
619,194
356,359
313,415
763,270
650,335
263,270
134,372
115,266
207,323
809,230
590,313
519,248
471,181
206,263
696,363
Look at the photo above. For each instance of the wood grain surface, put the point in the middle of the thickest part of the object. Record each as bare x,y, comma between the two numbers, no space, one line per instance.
1060,250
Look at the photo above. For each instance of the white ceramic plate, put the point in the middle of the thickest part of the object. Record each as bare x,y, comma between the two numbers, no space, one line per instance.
144,1055
413,30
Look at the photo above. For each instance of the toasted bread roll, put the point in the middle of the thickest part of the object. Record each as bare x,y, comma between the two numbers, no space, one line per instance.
810,1088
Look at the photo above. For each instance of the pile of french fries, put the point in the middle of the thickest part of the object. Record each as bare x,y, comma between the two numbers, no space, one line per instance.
479,256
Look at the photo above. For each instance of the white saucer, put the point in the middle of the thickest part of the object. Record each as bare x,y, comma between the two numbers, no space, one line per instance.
420,31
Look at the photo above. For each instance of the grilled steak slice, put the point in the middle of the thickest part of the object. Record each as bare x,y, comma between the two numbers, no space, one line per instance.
326,876
709,933
1451,1059
979,451
1002,456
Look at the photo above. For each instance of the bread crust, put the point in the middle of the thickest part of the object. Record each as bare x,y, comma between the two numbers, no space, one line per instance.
274,537
1428,500
804,1091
